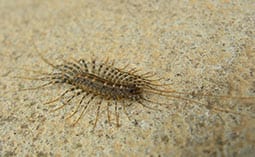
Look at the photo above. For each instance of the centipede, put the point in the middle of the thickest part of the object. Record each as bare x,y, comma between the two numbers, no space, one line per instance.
98,81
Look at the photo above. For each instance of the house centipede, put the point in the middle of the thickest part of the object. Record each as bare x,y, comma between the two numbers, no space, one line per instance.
102,81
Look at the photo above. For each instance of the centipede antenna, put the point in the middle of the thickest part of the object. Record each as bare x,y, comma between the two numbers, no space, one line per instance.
164,93
175,96
194,101
223,96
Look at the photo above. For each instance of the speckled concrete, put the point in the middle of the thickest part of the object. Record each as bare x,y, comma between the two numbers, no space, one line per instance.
196,46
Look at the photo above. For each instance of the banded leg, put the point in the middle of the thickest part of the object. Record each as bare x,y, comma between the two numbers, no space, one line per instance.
63,94
108,113
69,68
83,110
116,113
38,87
52,80
97,114
67,102
140,102
79,105
125,111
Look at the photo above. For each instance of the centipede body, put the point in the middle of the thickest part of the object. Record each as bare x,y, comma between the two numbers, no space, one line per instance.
103,81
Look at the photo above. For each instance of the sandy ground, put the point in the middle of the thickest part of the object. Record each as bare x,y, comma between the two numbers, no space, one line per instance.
196,46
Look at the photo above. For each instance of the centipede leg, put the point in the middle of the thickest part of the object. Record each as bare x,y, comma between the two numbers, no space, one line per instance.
106,61
65,103
147,106
41,56
124,67
27,69
108,113
83,110
38,87
77,108
97,114
116,114
125,111
64,93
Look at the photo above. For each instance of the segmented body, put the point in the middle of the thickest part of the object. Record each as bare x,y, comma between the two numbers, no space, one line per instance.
101,79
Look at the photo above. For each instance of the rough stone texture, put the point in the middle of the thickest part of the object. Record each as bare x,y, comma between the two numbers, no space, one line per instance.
196,46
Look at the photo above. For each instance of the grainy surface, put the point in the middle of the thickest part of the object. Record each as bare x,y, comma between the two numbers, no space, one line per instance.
196,46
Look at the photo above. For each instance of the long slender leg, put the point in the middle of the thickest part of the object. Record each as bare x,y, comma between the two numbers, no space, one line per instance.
113,62
147,106
63,94
38,87
30,78
108,113
68,68
154,102
84,109
52,80
124,67
133,71
77,108
97,115
125,111
67,102
147,74
41,56
116,114
27,69
106,60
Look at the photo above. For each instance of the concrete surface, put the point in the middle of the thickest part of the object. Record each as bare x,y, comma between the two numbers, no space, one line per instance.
196,46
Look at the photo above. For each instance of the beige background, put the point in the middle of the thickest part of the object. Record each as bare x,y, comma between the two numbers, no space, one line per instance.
196,46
